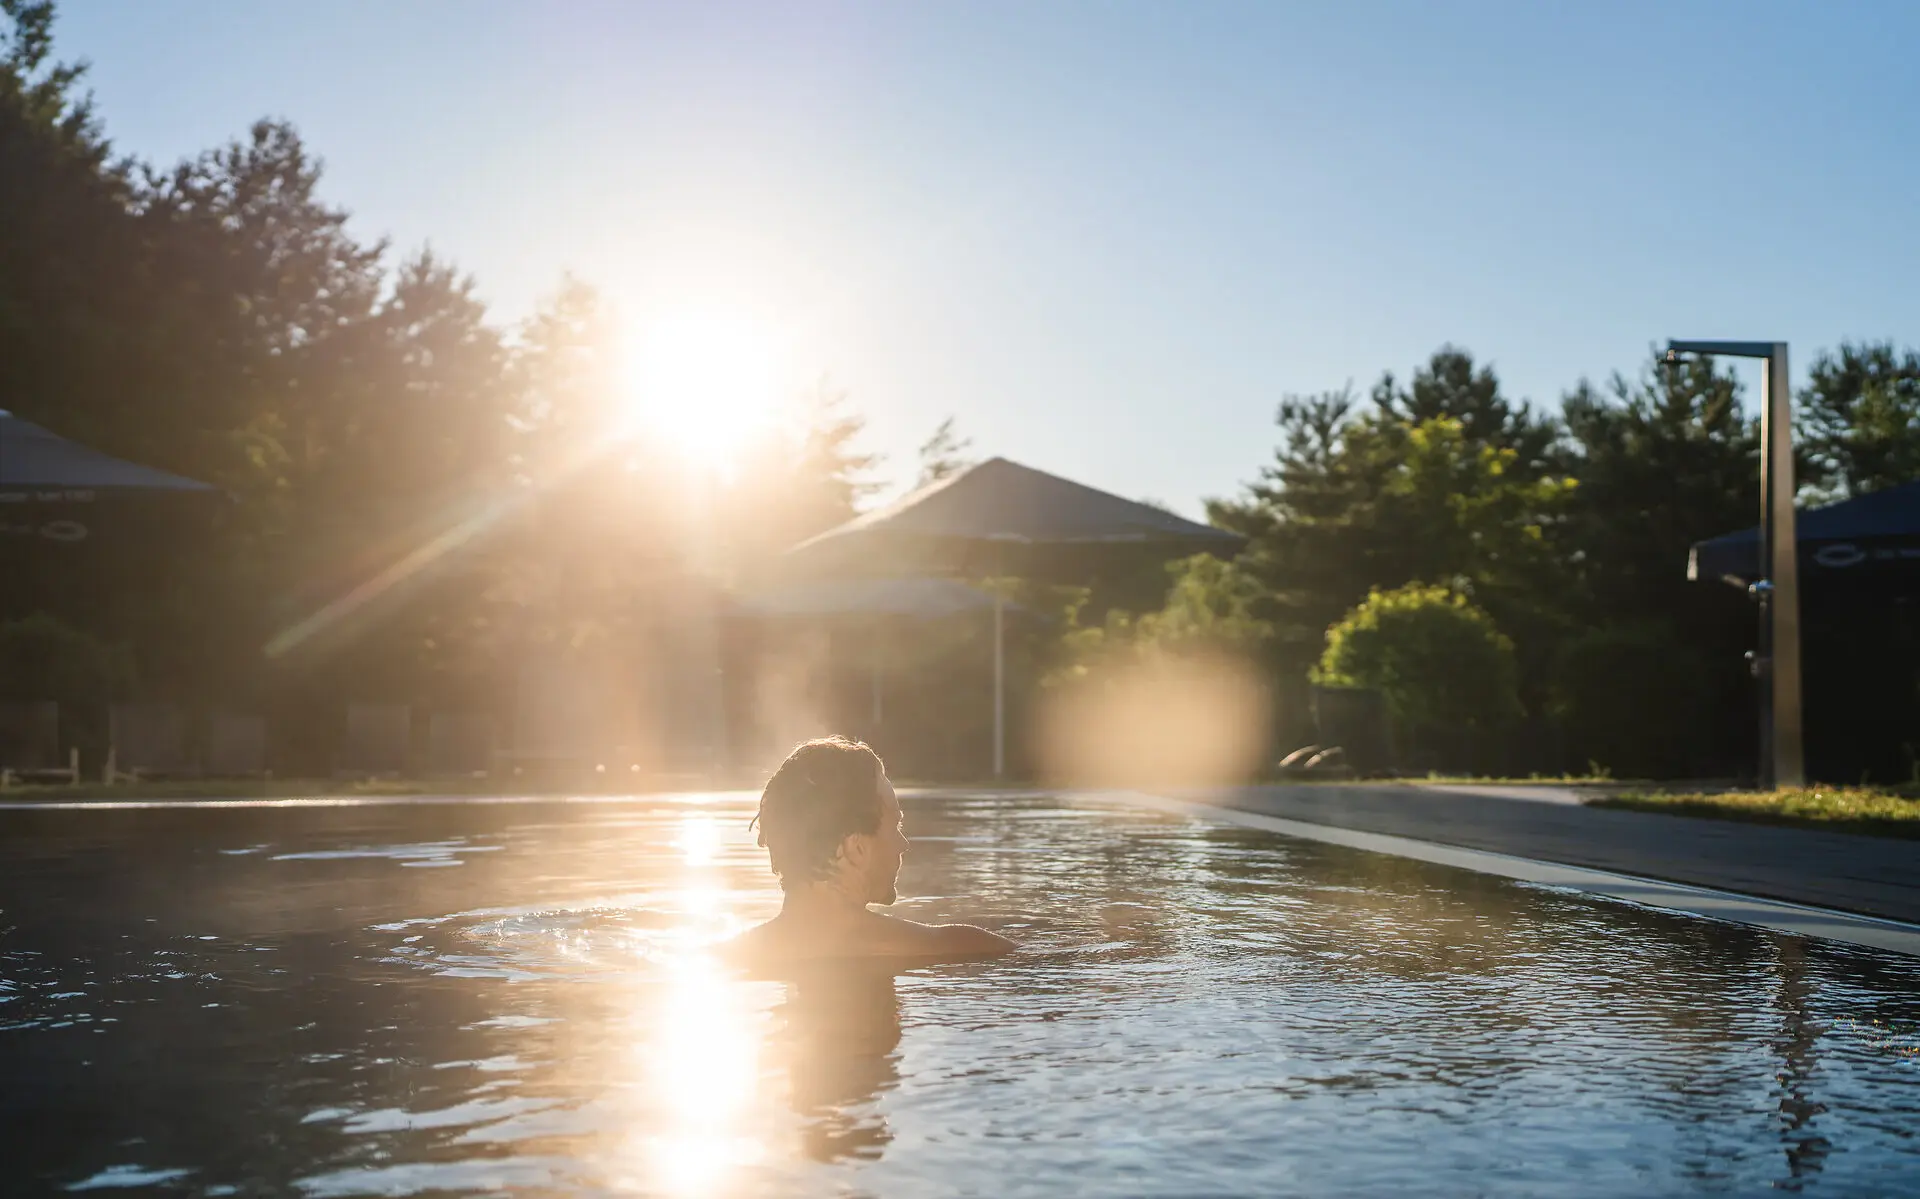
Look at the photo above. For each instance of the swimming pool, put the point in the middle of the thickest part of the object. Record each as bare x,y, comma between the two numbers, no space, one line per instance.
406,999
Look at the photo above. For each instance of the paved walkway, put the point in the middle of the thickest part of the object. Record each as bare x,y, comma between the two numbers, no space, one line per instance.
1877,876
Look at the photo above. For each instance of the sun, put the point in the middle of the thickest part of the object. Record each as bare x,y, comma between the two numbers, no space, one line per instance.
702,385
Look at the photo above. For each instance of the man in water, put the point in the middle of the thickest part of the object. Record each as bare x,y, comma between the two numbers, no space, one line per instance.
831,825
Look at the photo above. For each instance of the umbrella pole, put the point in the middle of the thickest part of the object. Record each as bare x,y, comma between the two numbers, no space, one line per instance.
999,683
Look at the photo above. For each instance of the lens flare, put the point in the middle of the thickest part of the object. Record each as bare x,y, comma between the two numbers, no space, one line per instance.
1169,722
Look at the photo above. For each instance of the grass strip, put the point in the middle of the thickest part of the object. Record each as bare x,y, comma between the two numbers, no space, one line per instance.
1870,811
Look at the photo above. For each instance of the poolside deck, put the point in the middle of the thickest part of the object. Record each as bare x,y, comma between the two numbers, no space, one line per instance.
1868,875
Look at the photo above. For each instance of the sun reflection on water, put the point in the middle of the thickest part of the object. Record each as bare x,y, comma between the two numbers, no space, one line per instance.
699,1039
699,839
703,1069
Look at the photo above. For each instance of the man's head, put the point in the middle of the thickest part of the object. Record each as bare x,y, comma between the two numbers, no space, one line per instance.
830,815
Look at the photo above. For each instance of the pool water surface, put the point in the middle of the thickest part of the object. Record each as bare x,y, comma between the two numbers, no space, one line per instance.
438,999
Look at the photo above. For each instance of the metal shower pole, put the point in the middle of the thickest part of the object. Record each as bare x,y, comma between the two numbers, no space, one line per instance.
1777,660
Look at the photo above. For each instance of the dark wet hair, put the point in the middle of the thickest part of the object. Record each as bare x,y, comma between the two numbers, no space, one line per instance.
825,792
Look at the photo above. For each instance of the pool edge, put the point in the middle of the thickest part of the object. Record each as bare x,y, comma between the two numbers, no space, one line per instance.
1755,911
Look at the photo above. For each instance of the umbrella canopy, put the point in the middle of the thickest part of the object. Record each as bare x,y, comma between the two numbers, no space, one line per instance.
993,518
49,485
1876,535
980,520
869,604
911,598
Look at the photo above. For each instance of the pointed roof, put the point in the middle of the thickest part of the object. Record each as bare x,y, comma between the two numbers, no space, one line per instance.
1005,502
34,459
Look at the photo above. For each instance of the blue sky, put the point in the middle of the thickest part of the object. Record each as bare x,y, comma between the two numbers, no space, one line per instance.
1107,236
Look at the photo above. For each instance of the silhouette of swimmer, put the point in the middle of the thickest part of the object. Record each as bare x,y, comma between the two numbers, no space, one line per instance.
831,825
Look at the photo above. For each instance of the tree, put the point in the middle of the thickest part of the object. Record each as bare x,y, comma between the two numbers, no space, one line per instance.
1210,609
1448,673
1450,387
943,453
1859,416
831,475
1443,482
1664,461
100,339
592,526
1628,700
70,254
1211,606
806,476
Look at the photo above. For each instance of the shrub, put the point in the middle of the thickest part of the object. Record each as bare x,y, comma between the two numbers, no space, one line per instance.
43,658
1448,674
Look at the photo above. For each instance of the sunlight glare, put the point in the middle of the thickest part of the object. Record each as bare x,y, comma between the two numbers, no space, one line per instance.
699,840
702,384
705,1071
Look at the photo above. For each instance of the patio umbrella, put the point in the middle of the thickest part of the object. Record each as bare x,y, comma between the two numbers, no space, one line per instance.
919,598
1873,537
868,600
993,518
51,488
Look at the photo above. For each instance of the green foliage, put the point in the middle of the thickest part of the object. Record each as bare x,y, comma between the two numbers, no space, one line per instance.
1210,610
943,453
1443,480
1449,387
1664,461
1211,607
423,496
42,658
1859,419
1866,811
1552,527
1447,672
39,93
1626,698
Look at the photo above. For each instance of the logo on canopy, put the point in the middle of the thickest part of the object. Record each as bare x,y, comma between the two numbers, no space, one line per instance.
1840,556
53,530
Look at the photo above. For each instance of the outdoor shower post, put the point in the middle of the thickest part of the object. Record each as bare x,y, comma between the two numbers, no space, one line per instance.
1787,762
999,658
1777,658
999,681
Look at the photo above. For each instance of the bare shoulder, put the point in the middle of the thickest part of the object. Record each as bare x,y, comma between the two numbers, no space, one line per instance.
777,946
957,940
744,949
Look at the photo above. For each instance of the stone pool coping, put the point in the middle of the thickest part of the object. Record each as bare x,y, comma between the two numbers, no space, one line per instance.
1741,908
1868,876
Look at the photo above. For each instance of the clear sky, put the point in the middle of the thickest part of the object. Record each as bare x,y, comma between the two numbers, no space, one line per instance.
1107,236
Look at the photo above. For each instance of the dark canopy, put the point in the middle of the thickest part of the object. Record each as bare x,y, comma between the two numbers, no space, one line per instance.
1000,518
969,522
32,460
1873,536
51,487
